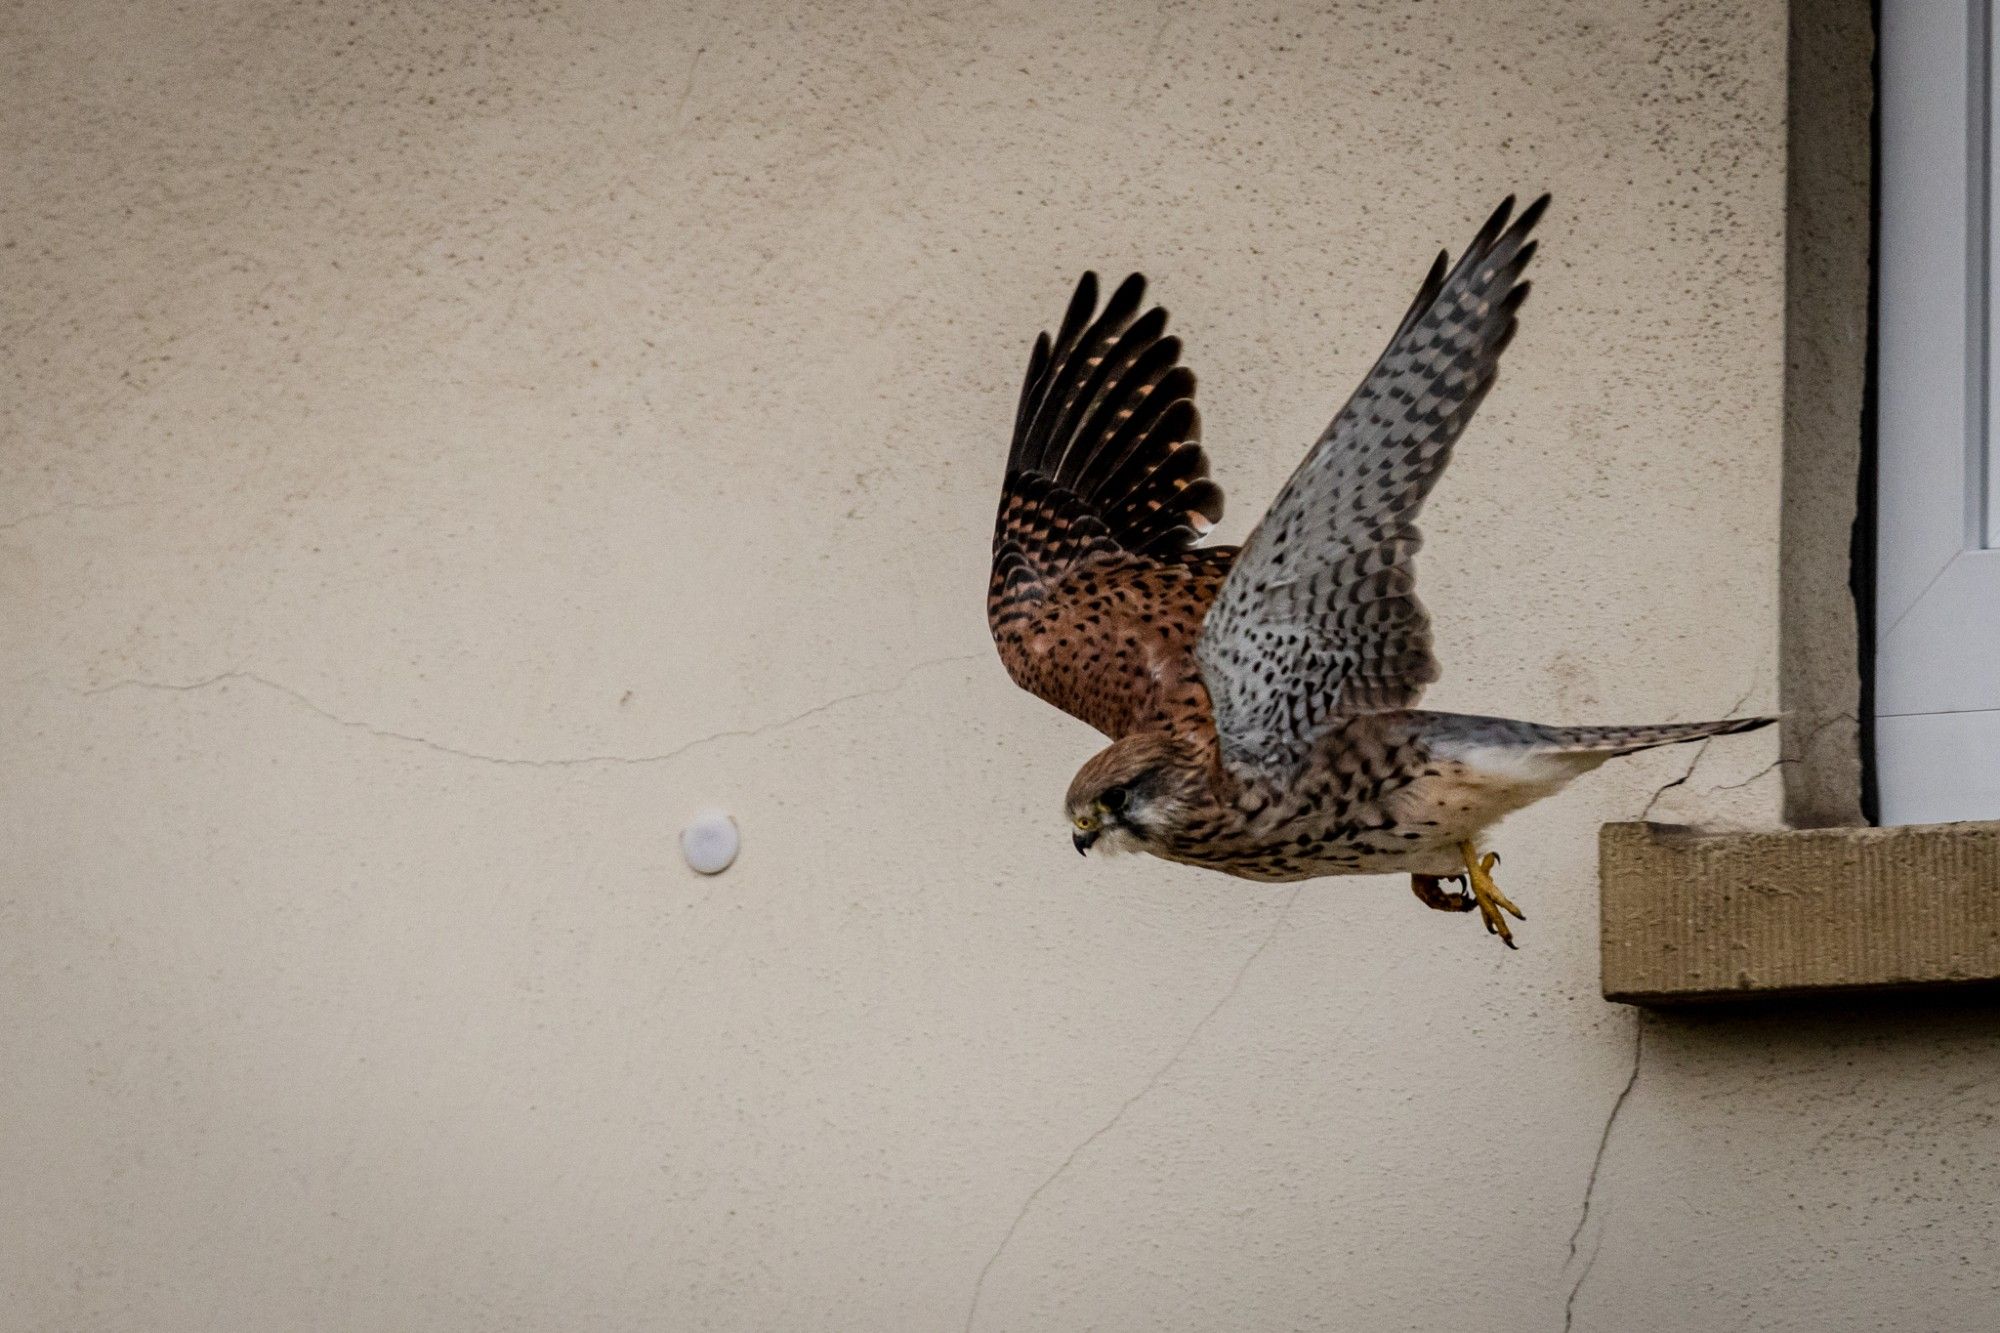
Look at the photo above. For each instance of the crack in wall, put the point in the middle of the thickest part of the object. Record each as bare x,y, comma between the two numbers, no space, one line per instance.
687,87
1596,1165
1680,781
1062,1168
524,761
1812,737
1150,62
73,507
1699,751
1767,769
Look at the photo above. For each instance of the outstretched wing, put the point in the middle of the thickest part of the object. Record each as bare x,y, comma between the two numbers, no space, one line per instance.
1095,593
1319,618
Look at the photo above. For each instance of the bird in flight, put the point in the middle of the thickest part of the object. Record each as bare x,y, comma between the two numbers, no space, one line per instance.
1261,700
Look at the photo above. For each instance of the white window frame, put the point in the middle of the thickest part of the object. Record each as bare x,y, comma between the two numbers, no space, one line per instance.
1937,584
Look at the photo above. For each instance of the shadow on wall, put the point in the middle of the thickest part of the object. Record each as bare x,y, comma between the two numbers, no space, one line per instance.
1817,1022
1835,1080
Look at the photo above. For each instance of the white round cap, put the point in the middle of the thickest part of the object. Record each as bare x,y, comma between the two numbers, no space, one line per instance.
709,843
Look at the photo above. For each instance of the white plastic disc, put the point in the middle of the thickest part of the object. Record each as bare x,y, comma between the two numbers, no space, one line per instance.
710,842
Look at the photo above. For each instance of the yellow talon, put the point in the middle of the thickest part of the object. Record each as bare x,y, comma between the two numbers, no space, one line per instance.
1493,904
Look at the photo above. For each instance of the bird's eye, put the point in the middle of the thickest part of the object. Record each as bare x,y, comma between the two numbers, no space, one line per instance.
1114,799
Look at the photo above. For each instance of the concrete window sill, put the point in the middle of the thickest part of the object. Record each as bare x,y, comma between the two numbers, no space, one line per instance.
1691,916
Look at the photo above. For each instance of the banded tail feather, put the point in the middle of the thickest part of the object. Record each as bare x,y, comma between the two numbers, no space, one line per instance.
1614,741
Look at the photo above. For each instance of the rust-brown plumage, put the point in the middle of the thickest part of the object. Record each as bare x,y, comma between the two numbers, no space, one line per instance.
1261,700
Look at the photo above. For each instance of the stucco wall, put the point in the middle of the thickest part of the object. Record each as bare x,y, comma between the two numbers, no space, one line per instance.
447,445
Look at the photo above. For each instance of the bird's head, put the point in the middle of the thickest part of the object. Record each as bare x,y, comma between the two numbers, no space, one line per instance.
1132,793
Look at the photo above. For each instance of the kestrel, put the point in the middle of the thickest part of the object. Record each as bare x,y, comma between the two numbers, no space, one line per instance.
1261,700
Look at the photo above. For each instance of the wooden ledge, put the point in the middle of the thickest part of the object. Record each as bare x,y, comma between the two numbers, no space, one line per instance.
1691,916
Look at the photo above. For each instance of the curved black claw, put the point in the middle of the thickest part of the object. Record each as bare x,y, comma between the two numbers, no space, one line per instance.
1431,893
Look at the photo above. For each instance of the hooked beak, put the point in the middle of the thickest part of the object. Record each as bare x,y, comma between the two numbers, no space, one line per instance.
1083,841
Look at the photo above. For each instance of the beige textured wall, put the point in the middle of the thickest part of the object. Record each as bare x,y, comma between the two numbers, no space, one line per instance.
445,445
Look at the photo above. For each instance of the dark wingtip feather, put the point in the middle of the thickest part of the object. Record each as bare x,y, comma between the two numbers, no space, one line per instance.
1427,292
1081,304
1497,232
1118,347
1130,293
1105,408
1532,214
1038,362
1118,311
1495,223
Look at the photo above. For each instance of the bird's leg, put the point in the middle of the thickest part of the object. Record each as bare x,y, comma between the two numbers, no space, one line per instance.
1492,902
1431,892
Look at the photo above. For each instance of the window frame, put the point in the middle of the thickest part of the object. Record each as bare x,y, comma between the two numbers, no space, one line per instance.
1937,577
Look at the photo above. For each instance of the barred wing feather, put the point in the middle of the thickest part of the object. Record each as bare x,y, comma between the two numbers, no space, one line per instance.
1319,617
